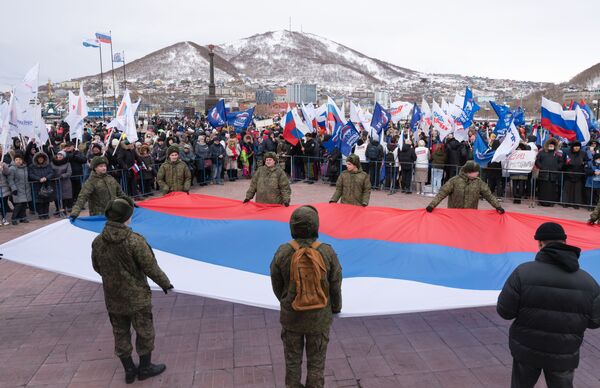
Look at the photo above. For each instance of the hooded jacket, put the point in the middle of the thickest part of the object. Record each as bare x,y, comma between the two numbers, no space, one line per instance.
464,192
38,171
124,259
304,227
549,162
18,180
552,301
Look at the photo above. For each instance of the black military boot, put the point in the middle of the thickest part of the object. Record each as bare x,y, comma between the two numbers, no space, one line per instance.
130,369
147,369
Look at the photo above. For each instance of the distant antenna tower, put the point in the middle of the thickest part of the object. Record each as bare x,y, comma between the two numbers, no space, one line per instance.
290,24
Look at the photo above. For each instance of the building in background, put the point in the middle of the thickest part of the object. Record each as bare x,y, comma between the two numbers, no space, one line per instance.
301,93
264,97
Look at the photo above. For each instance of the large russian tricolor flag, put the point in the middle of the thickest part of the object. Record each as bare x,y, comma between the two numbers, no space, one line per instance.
569,124
393,260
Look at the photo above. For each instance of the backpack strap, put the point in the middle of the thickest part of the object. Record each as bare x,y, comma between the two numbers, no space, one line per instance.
315,245
294,244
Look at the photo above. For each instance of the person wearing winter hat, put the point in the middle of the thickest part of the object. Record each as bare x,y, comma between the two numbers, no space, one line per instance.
124,260
464,190
353,186
98,190
552,302
269,183
174,175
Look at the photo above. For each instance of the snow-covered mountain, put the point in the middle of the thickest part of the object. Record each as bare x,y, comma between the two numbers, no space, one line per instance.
589,78
290,57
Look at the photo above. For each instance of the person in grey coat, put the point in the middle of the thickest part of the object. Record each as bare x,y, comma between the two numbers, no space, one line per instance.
4,192
64,195
18,179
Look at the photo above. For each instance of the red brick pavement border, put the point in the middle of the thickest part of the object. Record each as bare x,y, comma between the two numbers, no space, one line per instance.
54,332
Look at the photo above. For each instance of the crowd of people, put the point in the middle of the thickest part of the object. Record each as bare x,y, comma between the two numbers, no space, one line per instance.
175,154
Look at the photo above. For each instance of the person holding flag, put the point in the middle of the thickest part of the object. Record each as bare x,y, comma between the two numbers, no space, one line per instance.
270,183
353,186
464,190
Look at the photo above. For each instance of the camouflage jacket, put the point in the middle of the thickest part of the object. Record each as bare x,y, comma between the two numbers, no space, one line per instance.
596,213
123,258
99,189
271,185
464,193
174,177
354,188
314,321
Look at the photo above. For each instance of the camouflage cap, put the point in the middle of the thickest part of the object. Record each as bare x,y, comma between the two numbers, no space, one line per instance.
119,209
354,159
304,222
271,155
470,166
98,160
172,150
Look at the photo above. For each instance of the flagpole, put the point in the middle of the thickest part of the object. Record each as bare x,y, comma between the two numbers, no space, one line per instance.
124,74
112,64
101,82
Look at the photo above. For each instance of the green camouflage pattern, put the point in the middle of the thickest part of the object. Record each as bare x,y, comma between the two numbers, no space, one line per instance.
271,185
174,177
124,260
316,352
312,321
354,188
144,332
464,192
98,190
596,213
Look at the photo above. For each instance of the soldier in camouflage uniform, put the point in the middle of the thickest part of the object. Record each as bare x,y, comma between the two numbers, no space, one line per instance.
99,189
310,328
174,175
463,190
123,259
595,215
270,184
353,185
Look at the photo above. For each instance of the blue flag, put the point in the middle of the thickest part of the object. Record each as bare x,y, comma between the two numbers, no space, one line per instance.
519,116
416,118
217,116
348,137
469,109
589,115
505,118
381,119
240,120
482,154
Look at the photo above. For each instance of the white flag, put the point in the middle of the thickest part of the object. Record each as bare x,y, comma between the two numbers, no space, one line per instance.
125,118
309,114
425,116
508,145
440,121
444,105
5,125
400,110
455,113
40,131
27,90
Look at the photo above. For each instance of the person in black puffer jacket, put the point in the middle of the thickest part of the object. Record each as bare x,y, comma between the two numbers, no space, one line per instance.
553,302
457,156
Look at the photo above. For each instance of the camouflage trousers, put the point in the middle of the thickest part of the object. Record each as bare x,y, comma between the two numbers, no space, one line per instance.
316,351
144,330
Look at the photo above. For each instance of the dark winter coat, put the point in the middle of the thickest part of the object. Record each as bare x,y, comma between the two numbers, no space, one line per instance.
62,172
38,171
438,156
552,301
549,162
574,165
375,152
76,160
99,189
457,154
407,157
124,259
304,225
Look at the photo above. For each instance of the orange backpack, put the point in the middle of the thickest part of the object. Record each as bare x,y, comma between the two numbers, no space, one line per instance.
308,273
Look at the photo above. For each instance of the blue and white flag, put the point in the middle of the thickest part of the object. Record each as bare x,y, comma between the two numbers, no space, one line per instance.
416,118
469,108
91,43
519,116
505,118
348,137
482,154
508,145
380,121
217,116
240,120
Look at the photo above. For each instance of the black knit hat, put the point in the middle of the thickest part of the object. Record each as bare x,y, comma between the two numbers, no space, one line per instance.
119,209
550,231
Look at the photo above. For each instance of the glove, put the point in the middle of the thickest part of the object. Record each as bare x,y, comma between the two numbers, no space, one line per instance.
15,192
591,222
135,205
187,192
363,205
165,290
332,201
429,209
286,204
500,210
246,200
72,217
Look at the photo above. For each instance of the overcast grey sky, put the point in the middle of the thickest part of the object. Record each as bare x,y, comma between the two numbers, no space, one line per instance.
526,40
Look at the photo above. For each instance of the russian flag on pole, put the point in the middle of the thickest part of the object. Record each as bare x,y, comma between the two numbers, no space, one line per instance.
393,260
569,124
334,117
291,133
103,38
